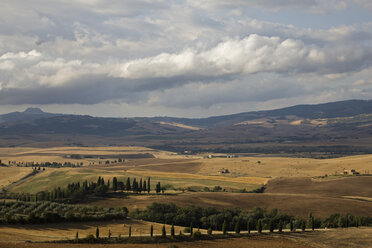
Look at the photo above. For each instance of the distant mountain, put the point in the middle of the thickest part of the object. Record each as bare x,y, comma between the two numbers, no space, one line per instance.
317,111
27,115
338,127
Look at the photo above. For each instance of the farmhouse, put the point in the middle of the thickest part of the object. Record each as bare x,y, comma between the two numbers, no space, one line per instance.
350,172
223,171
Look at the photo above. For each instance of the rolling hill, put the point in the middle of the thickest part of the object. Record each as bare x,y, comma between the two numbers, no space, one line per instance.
339,127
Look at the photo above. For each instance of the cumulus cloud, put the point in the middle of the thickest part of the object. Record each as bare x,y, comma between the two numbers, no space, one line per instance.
196,54
252,54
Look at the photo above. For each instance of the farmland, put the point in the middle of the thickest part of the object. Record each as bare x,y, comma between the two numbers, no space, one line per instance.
294,186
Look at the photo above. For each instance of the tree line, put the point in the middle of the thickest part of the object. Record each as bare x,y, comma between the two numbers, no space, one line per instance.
231,219
76,191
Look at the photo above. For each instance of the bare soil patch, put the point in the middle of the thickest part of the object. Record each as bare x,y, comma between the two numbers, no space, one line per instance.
344,186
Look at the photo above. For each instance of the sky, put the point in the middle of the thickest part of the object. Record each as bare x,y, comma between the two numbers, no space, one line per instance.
182,58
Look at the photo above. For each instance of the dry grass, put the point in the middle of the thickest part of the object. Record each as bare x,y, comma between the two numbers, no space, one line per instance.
335,238
48,232
294,204
244,180
272,241
12,174
358,186
285,167
58,154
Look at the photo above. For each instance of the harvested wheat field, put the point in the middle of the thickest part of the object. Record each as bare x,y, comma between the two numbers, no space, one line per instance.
63,154
341,186
285,167
264,241
48,232
54,177
331,238
337,238
10,175
293,204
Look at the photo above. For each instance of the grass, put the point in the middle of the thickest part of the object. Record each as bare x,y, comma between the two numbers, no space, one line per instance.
54,177
12,174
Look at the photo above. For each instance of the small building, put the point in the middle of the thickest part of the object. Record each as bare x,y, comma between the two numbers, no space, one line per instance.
350,172
223,171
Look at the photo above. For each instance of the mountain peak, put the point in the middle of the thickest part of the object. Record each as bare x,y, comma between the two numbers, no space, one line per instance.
33,111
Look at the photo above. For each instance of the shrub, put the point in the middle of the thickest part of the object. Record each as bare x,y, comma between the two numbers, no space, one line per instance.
196,235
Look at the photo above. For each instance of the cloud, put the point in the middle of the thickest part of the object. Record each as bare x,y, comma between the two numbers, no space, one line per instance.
197,54
253,54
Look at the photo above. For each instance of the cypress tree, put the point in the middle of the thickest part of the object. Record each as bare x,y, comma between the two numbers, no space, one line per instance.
127,186
109,234
259,226
224,227
249,223
77,236
280,226
237,227
303,225
151,231
97,233
134,185
271,225
144,186
172,230
140,186
291,226
148,185
163,232
158,188
114,184
312,223
130,231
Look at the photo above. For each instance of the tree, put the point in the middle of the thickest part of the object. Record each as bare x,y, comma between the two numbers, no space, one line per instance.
134,185
172,230
191,229
163,232
158,188
237,227
271,225
127,186
312,223
291,226
77,237
259,226
114,184
303,225
130,231
109,234
144,186
224,227
210,231
280,226
97,233
148,185
140,186
151,231
249,223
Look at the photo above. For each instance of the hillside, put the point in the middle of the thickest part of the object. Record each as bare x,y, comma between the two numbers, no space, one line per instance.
338,127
